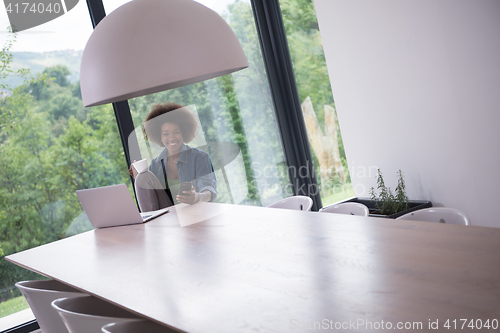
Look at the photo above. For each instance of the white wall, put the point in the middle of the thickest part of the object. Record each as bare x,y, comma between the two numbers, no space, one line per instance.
417,88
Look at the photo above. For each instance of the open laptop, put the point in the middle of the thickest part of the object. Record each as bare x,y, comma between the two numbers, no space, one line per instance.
112,206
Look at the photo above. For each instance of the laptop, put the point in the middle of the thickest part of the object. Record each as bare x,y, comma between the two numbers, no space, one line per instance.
112,206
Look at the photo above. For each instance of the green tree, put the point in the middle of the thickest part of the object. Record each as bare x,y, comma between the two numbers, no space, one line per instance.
58,74
306,49
55,75
6,60
50,146
60,104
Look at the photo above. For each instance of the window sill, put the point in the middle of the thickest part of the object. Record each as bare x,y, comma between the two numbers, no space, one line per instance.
16,319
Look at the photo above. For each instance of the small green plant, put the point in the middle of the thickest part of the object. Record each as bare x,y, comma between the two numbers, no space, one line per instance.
387,202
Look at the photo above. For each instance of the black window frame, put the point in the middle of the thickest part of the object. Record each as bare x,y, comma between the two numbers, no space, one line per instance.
278,63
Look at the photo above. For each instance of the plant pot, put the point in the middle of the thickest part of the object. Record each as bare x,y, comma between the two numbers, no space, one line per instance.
372,206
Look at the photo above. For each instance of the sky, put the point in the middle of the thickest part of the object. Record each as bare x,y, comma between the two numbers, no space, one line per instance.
71,30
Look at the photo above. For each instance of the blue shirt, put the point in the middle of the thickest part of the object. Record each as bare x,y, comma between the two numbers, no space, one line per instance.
193,165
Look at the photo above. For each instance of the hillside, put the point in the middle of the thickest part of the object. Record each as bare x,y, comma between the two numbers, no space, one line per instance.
36,62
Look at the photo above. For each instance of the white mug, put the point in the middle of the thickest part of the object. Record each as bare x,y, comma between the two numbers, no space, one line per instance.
141,166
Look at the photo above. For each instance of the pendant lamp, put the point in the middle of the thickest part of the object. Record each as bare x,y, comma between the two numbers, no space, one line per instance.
147,46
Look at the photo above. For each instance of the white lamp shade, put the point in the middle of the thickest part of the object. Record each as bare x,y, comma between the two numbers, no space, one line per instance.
146,46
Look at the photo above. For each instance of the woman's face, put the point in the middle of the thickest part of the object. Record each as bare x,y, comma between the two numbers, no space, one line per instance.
171,137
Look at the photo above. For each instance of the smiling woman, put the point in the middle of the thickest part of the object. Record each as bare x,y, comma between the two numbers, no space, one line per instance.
171,125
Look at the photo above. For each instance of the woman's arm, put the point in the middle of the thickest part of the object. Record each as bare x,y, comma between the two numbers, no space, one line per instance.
205,195
205,176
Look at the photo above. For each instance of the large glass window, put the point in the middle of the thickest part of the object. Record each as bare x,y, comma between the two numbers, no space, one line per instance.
50,146
234,109
315,93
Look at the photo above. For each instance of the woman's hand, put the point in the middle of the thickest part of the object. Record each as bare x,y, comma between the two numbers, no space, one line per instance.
189,197
132,171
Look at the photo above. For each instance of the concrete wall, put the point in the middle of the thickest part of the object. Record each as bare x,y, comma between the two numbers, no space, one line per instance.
417,88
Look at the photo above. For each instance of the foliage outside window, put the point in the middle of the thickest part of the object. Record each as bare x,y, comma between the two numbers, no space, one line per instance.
315,93
50,146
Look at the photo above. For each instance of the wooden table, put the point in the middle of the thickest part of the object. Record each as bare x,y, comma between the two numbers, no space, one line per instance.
253,269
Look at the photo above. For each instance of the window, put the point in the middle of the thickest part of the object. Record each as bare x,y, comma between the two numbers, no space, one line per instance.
50,146
315,94
236,109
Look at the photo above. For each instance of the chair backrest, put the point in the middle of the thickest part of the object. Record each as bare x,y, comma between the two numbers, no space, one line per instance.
298,202
85,314
39,295
349,208
137,327
437,214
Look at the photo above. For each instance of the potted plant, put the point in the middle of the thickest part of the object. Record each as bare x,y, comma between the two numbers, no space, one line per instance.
387,204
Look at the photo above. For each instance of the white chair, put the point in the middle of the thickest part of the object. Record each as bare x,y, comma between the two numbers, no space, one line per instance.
297,202
140,326
349,208
437,214
88,314
40,294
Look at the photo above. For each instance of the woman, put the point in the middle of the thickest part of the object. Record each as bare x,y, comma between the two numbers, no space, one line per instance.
171,125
